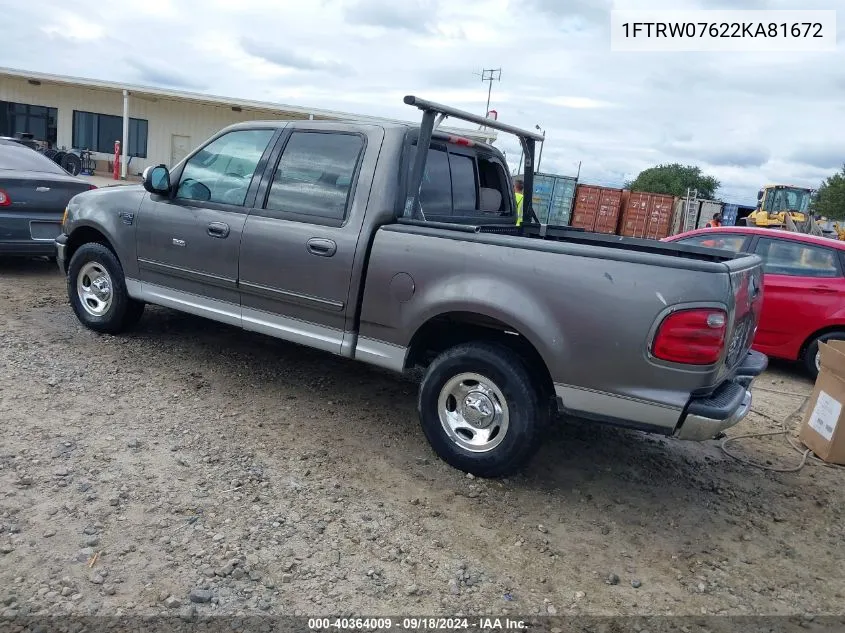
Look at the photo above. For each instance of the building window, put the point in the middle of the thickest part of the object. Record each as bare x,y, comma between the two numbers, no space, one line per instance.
98,132
20,118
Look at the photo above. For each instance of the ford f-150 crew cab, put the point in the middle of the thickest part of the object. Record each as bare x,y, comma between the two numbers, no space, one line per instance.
396,245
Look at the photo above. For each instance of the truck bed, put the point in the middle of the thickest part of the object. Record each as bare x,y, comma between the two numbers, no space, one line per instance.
580,236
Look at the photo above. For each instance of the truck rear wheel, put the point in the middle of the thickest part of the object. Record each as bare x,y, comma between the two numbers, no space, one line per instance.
96,287
480,410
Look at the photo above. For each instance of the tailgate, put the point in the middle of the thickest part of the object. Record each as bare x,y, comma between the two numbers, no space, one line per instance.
746,274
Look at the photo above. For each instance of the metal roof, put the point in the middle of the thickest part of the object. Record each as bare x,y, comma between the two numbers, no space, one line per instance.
488,135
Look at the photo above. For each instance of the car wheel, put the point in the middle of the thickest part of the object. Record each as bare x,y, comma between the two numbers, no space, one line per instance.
96,288
811,358
72,164
480,409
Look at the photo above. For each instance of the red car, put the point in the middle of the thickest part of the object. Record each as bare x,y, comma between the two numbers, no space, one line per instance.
803,287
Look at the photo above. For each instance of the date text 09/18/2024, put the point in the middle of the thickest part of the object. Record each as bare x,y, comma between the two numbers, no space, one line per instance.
416,624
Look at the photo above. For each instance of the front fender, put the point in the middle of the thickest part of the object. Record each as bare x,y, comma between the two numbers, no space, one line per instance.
111,211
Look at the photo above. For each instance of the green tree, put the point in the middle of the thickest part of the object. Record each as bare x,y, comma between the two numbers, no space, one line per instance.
674,180
829,201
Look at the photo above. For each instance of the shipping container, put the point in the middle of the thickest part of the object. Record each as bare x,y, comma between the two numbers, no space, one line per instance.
647,215
707,210
729,212
553,197
596,209
678,216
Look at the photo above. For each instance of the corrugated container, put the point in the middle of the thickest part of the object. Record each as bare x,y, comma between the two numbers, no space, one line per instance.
707,209
678,216
596,209
552,198
647,215
729,212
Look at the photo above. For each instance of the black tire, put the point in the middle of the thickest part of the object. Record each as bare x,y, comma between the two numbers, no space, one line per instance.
528,415
122,312
72,164
809,357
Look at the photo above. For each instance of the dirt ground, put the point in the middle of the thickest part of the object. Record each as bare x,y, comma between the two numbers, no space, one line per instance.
192,467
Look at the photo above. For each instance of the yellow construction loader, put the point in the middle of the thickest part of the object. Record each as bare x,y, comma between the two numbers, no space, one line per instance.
776,203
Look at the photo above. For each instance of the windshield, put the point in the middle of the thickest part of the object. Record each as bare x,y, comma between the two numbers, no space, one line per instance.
787,199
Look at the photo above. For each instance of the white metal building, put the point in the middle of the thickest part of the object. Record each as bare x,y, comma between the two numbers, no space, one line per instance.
155,125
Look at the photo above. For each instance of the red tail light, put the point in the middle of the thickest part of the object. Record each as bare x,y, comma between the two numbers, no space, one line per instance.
5,200
91,187
460,140
692,337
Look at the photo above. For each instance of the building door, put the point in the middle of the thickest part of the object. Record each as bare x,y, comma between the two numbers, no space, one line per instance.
179,148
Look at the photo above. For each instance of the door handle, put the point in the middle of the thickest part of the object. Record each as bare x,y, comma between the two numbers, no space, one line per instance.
42,189
321,247
218,229
823,289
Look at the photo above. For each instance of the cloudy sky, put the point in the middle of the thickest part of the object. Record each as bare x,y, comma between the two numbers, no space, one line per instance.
745,118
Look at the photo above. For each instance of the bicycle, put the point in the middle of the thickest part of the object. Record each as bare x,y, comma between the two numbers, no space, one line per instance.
78,161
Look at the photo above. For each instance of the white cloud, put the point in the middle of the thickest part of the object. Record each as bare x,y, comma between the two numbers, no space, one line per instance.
74,27
577,103
747,119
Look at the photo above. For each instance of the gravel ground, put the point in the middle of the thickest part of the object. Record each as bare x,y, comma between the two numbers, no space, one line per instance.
192,468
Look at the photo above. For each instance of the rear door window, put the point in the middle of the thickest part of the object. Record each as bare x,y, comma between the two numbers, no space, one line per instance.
314,175
785,257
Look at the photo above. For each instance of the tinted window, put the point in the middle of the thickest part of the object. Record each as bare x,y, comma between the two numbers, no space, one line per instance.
40,121
222,170
21,158
436,190
98,132
783,257
731,243
314,176
463,184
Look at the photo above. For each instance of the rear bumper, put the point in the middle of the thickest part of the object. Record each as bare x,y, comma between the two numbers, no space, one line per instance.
28,247
28,233
706,418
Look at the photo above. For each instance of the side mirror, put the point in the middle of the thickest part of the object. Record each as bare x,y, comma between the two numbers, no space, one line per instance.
759,195
157,179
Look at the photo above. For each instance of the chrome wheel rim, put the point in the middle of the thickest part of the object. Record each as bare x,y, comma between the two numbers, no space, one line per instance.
94,289
473,412
818,360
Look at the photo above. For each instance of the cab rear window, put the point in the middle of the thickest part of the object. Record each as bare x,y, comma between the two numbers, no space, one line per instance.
453,185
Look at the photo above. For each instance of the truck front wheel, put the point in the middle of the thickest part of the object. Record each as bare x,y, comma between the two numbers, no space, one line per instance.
96,287
480,410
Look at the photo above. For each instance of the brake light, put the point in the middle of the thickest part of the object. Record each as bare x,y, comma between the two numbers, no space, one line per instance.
91,187
5,200
460,140
691,337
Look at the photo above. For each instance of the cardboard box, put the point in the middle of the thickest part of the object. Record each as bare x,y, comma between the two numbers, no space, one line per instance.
823,430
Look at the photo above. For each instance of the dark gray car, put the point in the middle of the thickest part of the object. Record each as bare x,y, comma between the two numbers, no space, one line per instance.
34,192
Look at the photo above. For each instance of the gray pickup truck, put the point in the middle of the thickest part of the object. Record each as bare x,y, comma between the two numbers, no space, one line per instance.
396,245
